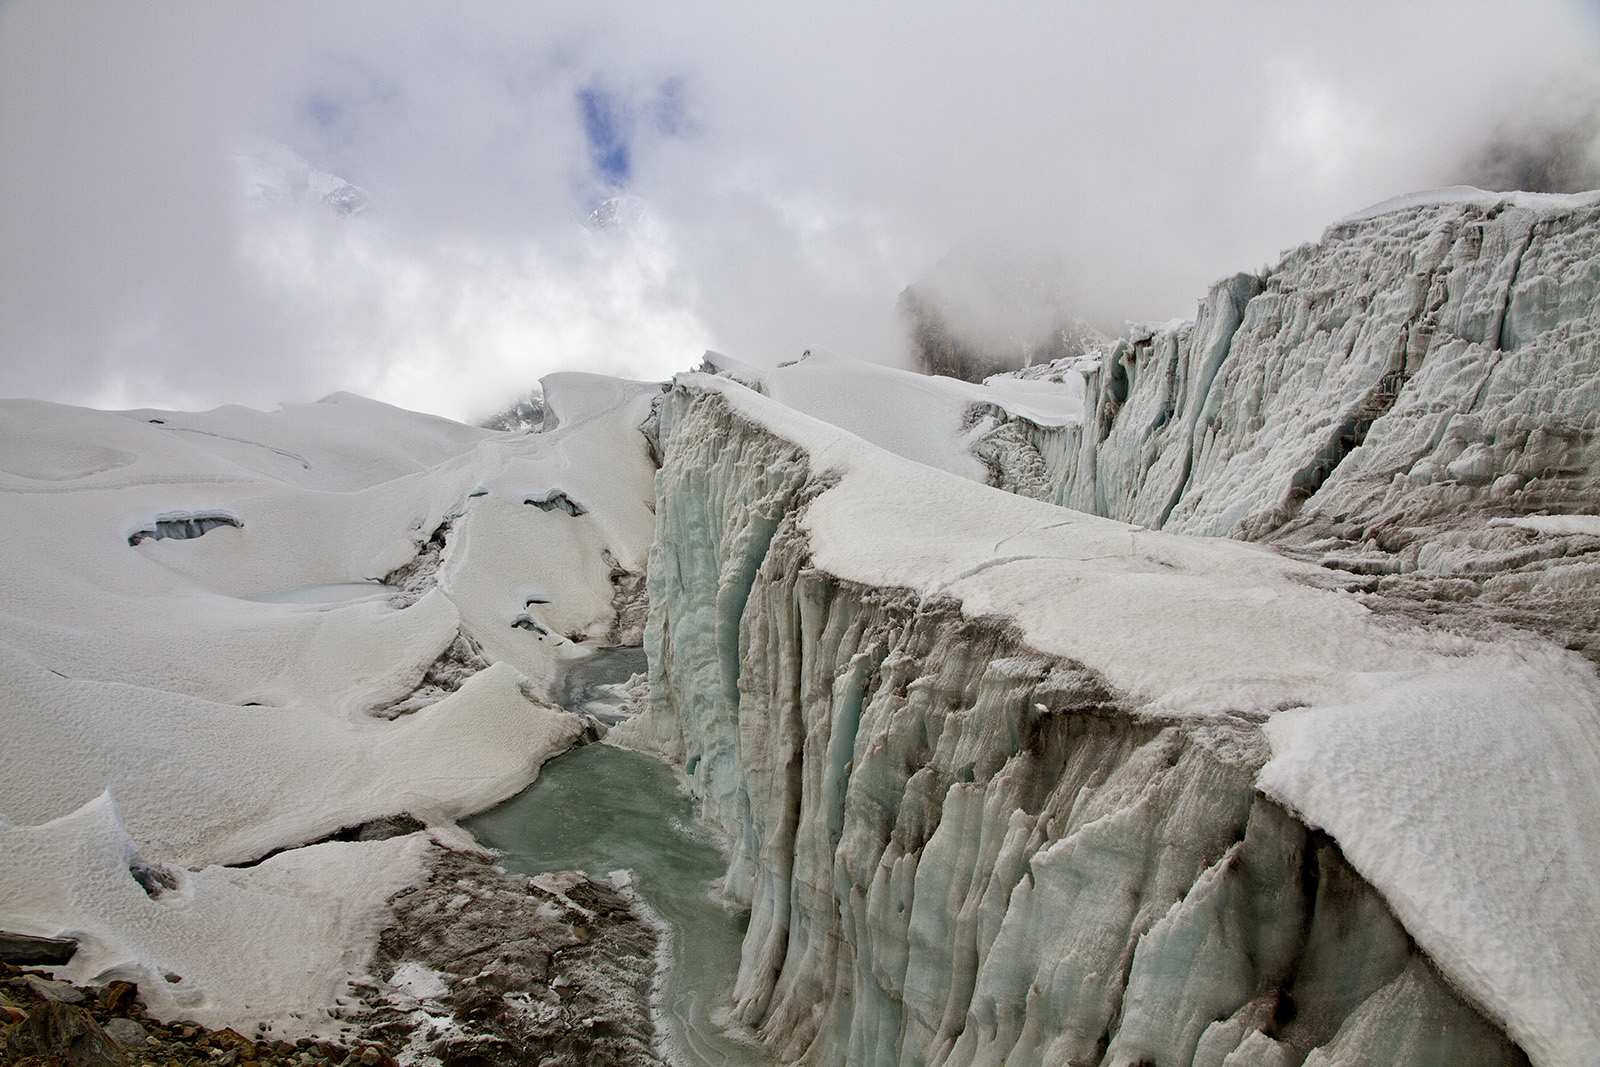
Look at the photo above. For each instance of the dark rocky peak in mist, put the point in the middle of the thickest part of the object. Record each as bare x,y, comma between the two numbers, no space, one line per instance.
525,414
987,309
1547,145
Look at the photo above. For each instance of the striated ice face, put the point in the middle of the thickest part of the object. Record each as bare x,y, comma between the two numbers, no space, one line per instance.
991,799
1426,359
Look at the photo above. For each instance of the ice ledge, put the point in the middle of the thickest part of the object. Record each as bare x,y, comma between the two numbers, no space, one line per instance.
1469,195
1459,777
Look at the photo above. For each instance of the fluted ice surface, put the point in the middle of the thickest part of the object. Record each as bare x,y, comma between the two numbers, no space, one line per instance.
998,788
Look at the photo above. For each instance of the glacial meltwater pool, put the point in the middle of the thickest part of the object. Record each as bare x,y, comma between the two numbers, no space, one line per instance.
599,809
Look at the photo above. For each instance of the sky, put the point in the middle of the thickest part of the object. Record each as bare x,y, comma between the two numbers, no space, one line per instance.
789,169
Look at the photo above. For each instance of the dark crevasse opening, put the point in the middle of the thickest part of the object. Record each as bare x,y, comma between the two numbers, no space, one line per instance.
183,527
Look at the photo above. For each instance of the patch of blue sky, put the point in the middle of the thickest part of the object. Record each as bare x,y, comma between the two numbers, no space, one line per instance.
341,106
607,124
669,112
614,124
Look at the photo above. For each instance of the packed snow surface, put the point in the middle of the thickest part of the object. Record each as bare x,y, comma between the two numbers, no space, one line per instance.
1467,194
913,415
1457,775
1554,524
235,692
274,941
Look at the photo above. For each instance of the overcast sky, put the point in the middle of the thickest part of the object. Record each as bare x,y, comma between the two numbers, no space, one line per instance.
795,167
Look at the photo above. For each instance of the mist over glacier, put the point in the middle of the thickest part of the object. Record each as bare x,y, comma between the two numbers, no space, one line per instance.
800,169
1120,710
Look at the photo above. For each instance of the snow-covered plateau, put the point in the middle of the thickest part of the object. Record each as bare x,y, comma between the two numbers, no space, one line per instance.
1225,696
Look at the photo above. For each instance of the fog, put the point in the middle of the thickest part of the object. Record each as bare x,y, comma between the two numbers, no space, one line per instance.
790,169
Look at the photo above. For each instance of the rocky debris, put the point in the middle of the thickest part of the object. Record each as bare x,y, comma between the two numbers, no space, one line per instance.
110,1028
484,967
38,951
381,829
630,600
153,878
118,995
127,1033
66,1032
420,573
442,677
56,992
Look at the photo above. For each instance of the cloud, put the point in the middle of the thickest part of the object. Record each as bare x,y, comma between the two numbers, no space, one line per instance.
801,165
1548,141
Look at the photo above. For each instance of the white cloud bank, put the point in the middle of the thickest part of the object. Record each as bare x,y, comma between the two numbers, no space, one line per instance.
802,164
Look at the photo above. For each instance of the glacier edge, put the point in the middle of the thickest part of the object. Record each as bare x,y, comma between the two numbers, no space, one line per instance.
915,785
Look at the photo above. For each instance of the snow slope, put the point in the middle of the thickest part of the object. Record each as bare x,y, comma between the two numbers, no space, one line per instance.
276,941
923,418
200,663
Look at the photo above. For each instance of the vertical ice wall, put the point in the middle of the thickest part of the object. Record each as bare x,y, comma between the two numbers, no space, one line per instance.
1375,401
958,849
1414,360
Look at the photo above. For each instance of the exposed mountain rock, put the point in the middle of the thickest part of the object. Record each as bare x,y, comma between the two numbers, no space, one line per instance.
525,414
982,311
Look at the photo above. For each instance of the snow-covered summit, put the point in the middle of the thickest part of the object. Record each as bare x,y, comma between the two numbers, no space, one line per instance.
274,175
617,213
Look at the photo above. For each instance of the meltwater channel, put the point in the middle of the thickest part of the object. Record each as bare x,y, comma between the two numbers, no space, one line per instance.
599,809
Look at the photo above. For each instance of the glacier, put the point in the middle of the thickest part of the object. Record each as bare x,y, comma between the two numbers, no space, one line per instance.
1009,783
1375,402
205,706
1220,695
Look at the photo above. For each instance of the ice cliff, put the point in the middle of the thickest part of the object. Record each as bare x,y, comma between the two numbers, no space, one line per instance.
1010,783
1375,401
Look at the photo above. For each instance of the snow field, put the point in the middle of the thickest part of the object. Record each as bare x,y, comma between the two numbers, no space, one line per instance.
205,701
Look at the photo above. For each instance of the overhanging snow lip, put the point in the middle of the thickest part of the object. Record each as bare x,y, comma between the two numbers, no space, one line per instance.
182,525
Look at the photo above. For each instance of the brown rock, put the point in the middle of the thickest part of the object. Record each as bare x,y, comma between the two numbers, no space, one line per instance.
374,1056
233,1041
119,996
